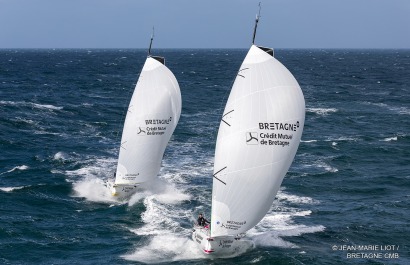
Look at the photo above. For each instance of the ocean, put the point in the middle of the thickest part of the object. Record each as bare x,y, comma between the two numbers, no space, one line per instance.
345,199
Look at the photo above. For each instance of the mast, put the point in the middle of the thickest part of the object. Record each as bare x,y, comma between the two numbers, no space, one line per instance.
150,44
256,23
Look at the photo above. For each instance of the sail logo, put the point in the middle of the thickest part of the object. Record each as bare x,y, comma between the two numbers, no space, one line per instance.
142,131
279,126
233,225
252,138
158,121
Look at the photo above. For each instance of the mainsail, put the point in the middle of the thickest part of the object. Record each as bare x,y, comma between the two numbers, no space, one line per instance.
257,140
152,116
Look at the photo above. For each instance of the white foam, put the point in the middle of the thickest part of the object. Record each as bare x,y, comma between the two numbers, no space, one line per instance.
278,224
93,189
308,141
94,167
398,110
10,189
164,237
89,181
165,248
61,156
31,104
322,111
319,164
342,138
401,110
283,196
389,139
22,167
326,167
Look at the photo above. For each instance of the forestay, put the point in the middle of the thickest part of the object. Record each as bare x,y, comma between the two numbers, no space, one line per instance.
257,140
152,116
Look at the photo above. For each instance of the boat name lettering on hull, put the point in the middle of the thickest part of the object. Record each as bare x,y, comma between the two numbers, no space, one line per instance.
225,243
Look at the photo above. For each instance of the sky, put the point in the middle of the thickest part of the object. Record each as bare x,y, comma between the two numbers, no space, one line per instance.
204,23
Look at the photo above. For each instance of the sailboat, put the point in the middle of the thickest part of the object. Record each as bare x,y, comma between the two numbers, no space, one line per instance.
258,137
151,118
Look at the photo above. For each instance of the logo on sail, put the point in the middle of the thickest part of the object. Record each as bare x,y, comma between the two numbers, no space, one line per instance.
252,138
141,131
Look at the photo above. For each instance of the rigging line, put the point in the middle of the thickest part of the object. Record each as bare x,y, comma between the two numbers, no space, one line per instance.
256,23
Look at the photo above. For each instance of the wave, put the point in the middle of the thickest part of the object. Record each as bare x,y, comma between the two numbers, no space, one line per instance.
22,167
278,224
61,156
30,104
95,190
342,138
389,139
322,111
10,189
398,110
167,226
172,201
294,199
89,181
166,239
315,165
308,141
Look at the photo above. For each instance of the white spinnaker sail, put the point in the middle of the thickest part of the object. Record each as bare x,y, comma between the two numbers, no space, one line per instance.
257,140
152,116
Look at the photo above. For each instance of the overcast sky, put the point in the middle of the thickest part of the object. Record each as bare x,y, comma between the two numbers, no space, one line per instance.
204,23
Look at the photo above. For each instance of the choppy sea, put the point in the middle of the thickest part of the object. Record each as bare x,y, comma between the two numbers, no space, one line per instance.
345,199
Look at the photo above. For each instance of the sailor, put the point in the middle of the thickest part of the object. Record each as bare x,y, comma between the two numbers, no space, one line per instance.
202,221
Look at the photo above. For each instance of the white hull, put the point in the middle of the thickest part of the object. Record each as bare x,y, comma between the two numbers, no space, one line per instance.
121,190
218,246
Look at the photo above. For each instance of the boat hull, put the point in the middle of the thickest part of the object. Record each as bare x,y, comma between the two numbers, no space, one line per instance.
218,246
121,190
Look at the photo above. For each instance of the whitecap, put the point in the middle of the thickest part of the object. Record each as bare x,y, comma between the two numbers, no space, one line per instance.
61,156
389,139
35,105
322,111
22,167
308,141
283,196
10,189
278,224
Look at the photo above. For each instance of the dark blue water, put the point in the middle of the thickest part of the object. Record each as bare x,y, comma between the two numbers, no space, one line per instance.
61,114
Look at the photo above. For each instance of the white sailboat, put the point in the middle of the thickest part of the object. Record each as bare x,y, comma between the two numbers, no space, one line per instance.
152,116
258,137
